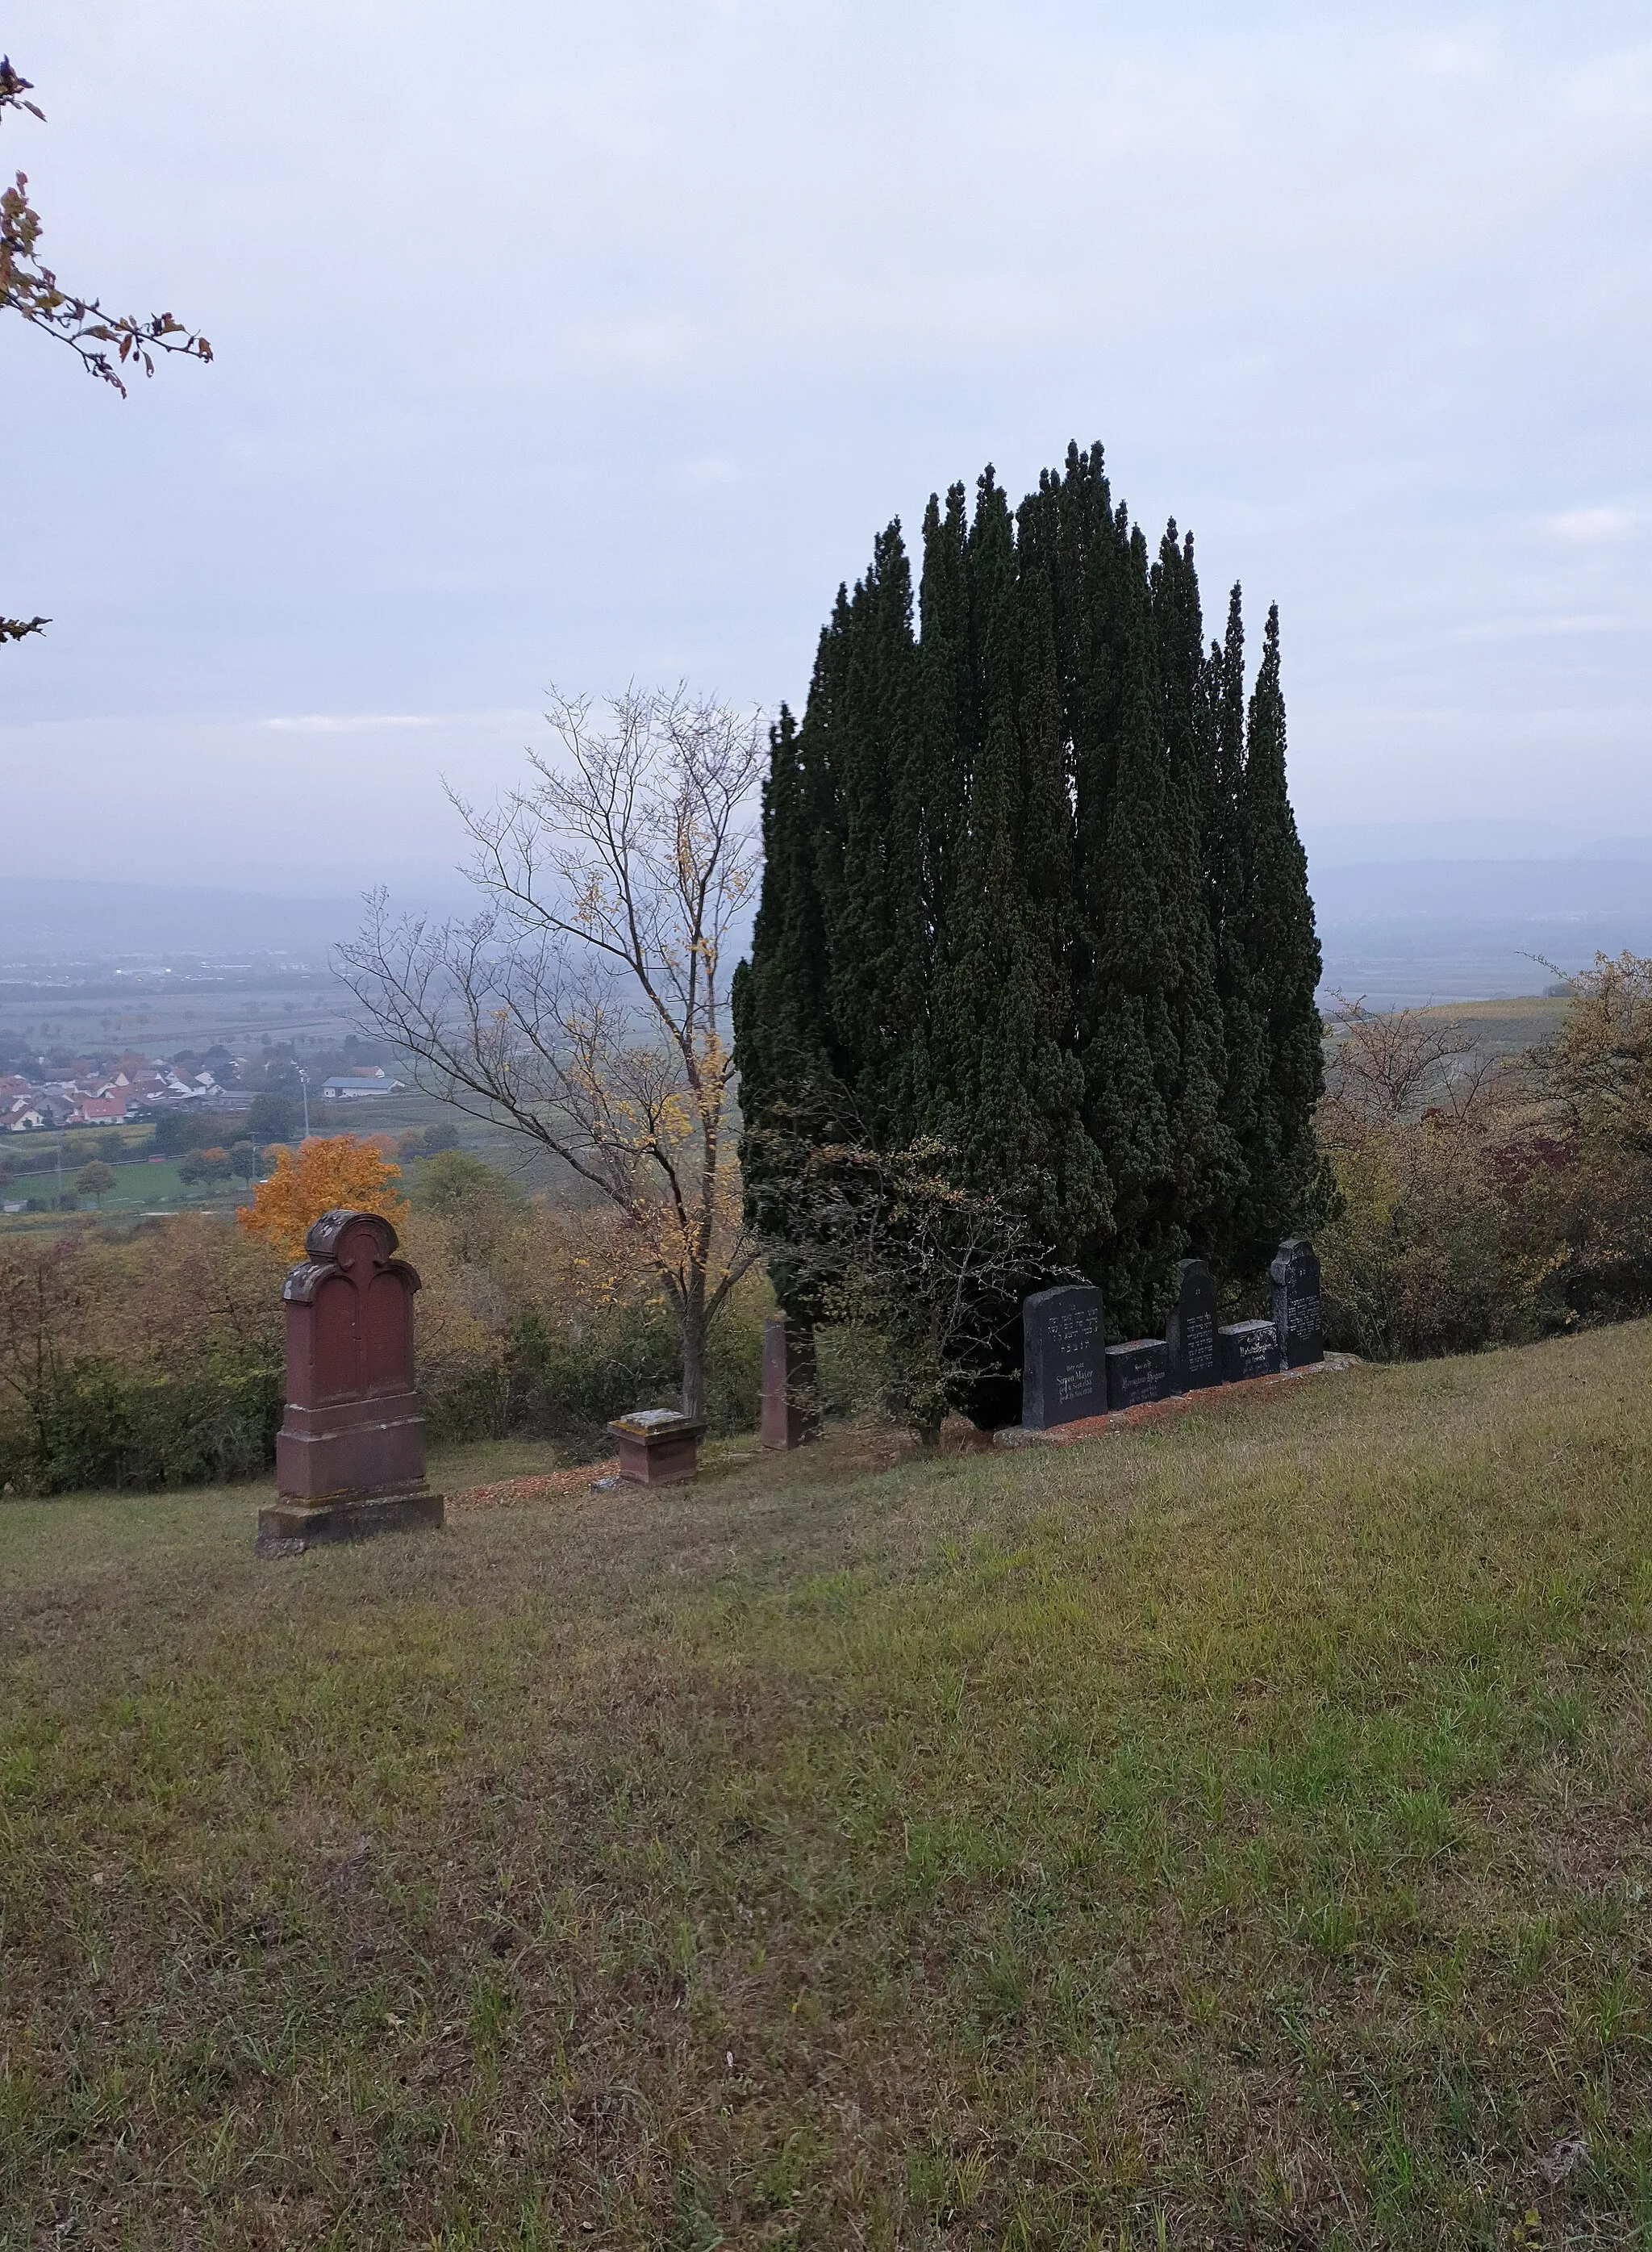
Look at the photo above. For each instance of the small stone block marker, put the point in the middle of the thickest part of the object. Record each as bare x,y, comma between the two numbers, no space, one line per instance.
1136,1373
1062,1375
1247,1349
1296,1310
656,1446
789,1416
1190,1335
349,1455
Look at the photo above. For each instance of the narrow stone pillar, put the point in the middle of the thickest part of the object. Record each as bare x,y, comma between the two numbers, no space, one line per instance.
790,1411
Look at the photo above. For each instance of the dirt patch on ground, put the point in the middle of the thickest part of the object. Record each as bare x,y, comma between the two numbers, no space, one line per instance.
846,1451
553,1486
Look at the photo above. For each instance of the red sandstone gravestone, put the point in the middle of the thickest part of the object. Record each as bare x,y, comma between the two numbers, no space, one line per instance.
789,1414
349,1456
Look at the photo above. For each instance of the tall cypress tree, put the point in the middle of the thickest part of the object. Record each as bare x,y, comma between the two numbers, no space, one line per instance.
791,1077
949,730
1238,1242
1289,1185
1012,1101
869,887
778,996
1129,1050
1208,1168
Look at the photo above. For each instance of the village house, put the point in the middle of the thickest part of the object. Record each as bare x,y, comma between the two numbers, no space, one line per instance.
348,1085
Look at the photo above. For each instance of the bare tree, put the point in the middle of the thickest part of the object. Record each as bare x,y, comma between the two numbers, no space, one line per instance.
585,1006
1387,1067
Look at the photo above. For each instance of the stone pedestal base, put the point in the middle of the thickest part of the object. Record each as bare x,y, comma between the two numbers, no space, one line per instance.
657,1446
288,1526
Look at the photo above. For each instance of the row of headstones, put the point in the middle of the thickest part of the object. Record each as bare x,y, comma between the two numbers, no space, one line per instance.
1069,1370
350,1457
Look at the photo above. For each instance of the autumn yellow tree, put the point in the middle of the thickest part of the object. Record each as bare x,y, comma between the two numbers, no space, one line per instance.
327,1172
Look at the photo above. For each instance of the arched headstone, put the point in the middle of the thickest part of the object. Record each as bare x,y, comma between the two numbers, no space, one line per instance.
349,1456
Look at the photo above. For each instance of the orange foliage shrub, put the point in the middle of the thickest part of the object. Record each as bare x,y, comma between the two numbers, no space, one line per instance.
328,1171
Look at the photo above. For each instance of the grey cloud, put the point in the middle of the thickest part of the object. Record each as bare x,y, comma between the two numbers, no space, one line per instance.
595,345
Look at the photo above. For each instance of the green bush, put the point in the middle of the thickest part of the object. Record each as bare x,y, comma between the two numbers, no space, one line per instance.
1420,1260
179,1132
102,1425
568,1382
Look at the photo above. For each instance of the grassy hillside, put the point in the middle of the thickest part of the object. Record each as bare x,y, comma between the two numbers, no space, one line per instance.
1231,1832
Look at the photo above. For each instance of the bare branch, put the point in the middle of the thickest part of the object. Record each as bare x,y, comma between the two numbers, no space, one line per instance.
583,1007
1387,1065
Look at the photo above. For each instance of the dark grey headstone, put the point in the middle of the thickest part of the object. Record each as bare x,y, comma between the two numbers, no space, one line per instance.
1247,1349
1135,1372
1063,1378
1190,1335
1296,1315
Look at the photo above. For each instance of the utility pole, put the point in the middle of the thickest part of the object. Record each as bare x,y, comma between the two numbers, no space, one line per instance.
304,1081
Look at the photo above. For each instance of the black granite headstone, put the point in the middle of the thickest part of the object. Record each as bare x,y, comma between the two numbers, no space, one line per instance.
1296,1315
1247,1349
1190,1335
1063,1378
1135,1372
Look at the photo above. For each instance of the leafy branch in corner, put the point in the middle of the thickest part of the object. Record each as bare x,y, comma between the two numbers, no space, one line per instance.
104,341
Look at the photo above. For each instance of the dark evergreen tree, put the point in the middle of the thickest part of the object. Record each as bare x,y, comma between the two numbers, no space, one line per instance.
1034,888
1131,1058
1013,1100
869,856
1209,1171
1289,1185
1072,533
791,1091
778,995
1148,1028
1239,1245
949,731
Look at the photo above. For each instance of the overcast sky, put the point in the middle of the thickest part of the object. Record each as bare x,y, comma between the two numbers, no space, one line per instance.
592,343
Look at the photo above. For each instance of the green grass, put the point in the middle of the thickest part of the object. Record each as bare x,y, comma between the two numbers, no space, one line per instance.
1234,1832
139,1188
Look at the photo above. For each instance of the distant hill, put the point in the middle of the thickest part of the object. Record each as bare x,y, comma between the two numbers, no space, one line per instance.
1359,844
46,916
1401,919
1408,930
